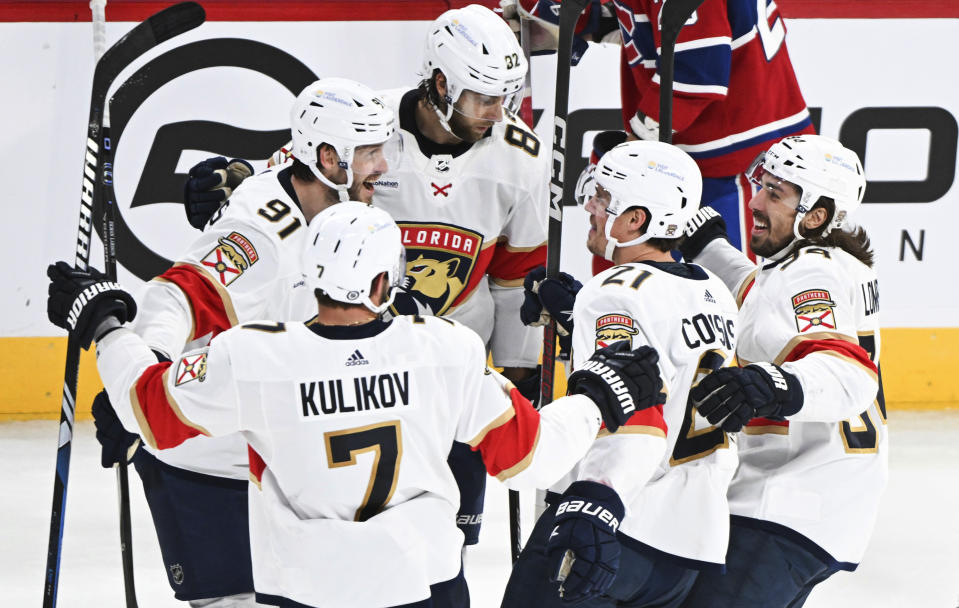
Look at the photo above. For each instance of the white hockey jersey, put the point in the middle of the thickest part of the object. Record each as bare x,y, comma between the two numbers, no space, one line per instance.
669,465
349,430
473,219
244,266
822,472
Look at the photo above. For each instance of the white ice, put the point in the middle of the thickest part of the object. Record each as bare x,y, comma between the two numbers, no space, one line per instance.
912,561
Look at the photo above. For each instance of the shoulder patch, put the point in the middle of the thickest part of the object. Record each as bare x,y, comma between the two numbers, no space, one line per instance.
232,255
191,367
814,310
615,328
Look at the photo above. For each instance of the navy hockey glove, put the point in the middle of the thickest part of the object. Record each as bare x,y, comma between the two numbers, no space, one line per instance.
80,300
117,444
621,382
529,386
706,226
550,298
732,396
582,552
210,183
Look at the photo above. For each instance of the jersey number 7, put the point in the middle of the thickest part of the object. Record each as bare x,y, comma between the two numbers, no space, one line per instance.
385,440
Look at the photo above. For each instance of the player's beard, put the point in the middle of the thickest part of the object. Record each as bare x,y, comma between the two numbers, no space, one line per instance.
768,245
470,130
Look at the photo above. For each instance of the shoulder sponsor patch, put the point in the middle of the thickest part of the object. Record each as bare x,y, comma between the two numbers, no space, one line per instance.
232,255
191,367
814,310
615,328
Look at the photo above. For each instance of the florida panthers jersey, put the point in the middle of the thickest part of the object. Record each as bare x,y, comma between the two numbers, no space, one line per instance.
245,266
349,428
735,92
473,219
669,466
821,472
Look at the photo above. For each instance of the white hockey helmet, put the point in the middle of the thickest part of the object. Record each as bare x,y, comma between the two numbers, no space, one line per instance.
349,245
656,176
476,51
343,114
819,166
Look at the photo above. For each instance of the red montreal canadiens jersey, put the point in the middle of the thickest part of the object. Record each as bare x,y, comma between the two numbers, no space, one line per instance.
246,265
821,472
349,431
734,88
668,464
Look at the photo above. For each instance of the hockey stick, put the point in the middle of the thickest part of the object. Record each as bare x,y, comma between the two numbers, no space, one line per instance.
104,197
674,15
569,13
164,25
526,114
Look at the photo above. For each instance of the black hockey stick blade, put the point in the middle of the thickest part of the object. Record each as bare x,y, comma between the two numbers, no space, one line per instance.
168,23
674,14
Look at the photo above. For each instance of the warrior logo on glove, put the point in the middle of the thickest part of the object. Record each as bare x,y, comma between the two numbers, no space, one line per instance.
85,297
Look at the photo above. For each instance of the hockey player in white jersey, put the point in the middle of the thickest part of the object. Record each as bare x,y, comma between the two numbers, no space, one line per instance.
667,469
808,400
246,265
349,419
470,197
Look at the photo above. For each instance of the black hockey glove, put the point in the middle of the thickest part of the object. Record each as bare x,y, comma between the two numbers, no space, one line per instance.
529,386
79,300
582,552
550,298
116,443
732,396
706,226
210,183
621,382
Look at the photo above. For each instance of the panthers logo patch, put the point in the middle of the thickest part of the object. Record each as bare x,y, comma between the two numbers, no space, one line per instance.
814,310
191,367
440,259
615,328
232,255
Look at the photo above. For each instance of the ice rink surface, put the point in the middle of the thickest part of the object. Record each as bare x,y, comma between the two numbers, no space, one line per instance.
912,561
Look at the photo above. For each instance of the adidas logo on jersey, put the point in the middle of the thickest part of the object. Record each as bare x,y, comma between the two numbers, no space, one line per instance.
709,297
357,358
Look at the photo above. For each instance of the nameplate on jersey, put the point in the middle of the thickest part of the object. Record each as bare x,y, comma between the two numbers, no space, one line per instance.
814,310
439,261
230,258
350,395
191,367
614,328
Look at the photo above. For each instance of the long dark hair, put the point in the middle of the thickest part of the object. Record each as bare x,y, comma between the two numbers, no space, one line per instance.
855,243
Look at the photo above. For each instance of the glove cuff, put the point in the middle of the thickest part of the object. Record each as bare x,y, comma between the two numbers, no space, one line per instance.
595,501
785,386
704,227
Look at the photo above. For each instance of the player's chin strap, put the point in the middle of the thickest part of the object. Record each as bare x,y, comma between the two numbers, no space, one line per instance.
612,243
343,190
